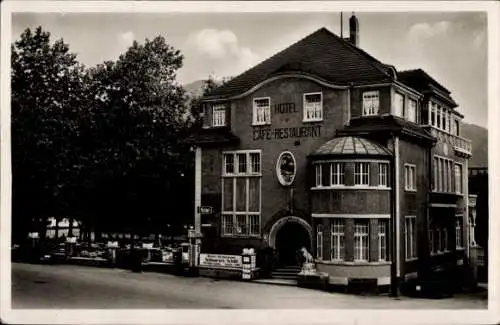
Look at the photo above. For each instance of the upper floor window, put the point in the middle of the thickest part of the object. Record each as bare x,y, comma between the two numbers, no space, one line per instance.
313,107
411,113
218,115
458,179
410,178
383,174
457,128
362,174
337,175
370,103
262,111
399,101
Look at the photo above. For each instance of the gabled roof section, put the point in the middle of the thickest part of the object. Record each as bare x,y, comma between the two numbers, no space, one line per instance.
421,81
322,54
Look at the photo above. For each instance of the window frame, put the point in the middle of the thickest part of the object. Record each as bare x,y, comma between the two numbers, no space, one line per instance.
382,238
459,232
396,95
219,108
305,108
459,178
337,173
251,229
365,101
267,109
415,110
410,174
337,242
385,175
319,241
361,174
413,240
364,237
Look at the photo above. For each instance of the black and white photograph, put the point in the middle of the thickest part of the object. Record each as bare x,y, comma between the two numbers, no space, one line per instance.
176,162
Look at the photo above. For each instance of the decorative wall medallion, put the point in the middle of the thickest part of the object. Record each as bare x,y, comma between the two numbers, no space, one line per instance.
286,168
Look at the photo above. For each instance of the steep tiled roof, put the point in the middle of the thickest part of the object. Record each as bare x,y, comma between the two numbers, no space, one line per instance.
419,80
351,145
322,54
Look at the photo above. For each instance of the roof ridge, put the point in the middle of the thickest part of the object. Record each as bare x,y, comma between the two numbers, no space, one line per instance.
359,52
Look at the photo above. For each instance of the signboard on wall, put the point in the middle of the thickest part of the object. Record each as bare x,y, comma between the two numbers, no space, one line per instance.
217,260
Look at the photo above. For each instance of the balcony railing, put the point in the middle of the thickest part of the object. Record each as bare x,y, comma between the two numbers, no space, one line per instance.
461,145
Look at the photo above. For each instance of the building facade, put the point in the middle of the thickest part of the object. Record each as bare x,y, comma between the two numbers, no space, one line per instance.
323,146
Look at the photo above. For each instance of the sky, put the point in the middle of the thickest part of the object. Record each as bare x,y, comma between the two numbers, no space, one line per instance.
450,46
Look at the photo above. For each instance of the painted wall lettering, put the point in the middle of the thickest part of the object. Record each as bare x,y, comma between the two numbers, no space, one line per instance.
286,133
285,108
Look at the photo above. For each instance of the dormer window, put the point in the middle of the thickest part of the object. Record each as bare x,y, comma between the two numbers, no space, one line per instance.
411,112
262,111
313,107
370,103
218,115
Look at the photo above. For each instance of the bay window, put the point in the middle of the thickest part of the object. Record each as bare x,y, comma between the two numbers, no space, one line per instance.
383,172
399,105
411,114
337,174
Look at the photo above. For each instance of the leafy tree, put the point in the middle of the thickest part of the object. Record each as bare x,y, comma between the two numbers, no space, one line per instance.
46,102
139,121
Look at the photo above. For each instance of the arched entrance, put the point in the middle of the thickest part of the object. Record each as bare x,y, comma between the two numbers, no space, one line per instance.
287,236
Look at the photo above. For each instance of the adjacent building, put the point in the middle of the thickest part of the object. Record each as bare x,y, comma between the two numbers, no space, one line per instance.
325,147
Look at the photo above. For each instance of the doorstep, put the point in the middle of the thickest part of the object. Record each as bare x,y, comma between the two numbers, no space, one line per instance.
282,282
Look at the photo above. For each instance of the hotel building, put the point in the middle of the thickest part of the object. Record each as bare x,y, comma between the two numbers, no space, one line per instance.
325,147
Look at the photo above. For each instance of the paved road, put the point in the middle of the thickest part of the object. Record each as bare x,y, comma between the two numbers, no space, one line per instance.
73,287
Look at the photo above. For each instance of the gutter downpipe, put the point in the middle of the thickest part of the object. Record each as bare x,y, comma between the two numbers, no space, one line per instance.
395,265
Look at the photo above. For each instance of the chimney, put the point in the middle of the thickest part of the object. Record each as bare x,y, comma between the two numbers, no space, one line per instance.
354,30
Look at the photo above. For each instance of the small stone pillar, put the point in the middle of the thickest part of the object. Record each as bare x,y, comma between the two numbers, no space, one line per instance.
248,260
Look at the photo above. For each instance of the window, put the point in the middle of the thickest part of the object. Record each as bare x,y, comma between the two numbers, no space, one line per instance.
338,244
410,178
319,242
445,120
362,174
432,246
438,117
443,175
337,174
319,178
443,231
261,111
457,127
361,239
459,232
382,240
399,105
411,114
410,237
432,107
218,115
370,103
255,162
241,192
458,179
383,174
313,107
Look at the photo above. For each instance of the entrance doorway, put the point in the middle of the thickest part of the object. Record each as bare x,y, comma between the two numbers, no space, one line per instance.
290,238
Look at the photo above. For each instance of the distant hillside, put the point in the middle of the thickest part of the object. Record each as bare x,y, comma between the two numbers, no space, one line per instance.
194,89
479,137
